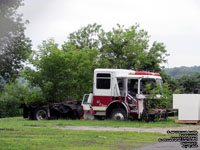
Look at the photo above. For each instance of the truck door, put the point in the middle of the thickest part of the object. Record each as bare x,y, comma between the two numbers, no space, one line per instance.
102,84
87,101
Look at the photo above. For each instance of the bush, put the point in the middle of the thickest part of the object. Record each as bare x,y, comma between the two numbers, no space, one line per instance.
14,95
159,97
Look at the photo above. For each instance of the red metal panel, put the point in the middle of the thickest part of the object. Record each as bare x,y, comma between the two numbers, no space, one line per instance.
102,100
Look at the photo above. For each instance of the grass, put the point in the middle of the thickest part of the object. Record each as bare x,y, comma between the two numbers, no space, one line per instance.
17,134
19,121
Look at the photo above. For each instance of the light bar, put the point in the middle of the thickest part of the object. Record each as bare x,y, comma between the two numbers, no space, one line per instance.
143,73
146,73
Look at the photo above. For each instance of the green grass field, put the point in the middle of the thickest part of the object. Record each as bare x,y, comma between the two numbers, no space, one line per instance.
19,121
18,134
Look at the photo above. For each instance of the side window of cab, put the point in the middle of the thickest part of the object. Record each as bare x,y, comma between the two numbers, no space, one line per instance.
103,80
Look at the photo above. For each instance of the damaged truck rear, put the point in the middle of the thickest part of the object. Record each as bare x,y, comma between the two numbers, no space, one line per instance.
68,110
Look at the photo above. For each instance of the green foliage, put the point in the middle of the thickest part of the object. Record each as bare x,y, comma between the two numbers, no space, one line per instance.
62,74
85,37
128,49
188,83
186,79
15,47
14,95
67,72
121,47
159,97
10,100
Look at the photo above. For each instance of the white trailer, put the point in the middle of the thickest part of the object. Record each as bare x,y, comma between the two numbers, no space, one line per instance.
188,106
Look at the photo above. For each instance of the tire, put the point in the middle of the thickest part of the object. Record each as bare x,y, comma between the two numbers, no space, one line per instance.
40,114
118,114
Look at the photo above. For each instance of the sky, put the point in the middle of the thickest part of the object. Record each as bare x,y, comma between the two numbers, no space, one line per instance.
176,23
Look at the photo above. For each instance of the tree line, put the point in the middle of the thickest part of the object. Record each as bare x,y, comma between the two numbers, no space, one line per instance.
178,72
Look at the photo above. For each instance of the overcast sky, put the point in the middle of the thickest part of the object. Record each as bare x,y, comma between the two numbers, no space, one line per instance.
176,23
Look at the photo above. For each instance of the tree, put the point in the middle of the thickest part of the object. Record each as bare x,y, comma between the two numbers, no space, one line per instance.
61,74
15,47
86,37
16,94
121,47
67,72
178,72
188,83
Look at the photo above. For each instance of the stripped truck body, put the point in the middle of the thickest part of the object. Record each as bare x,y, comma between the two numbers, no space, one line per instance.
118,93
67,110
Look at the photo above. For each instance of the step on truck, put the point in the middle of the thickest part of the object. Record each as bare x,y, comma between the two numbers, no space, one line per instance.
120,94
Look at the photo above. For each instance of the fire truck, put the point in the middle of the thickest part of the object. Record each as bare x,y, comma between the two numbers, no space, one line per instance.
118,93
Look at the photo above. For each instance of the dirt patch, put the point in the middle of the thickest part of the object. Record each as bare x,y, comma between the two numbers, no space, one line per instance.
36,126
4,129
121,129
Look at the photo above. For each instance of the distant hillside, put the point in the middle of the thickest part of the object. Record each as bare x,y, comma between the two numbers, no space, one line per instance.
180,71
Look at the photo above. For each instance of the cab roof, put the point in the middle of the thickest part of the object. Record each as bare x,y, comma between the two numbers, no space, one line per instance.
125,73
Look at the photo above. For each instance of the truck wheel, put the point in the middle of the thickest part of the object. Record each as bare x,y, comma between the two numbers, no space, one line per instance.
40,114
118,114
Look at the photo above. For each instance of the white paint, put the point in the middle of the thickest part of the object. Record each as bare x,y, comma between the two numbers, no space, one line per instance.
99,108
188,106
102,92
116,73
140,107
87,104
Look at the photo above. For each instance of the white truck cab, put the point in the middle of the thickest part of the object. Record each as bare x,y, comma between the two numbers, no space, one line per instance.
118,93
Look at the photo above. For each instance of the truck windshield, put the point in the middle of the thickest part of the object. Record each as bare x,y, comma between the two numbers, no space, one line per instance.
153,82
159,81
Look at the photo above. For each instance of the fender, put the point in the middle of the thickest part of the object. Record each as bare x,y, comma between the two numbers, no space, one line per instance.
116,101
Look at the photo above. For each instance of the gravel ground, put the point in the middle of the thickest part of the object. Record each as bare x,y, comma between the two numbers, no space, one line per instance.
157,129
157,146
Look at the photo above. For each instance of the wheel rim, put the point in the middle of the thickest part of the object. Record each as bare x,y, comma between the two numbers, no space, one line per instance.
41,115
118,116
